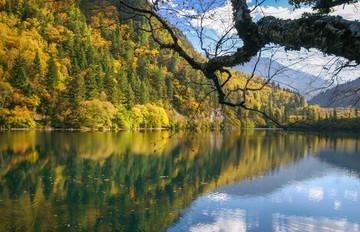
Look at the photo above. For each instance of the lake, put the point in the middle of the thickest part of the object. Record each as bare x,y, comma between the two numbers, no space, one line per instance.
248,180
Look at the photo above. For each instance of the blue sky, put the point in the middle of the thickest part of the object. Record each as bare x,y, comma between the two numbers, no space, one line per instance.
218,19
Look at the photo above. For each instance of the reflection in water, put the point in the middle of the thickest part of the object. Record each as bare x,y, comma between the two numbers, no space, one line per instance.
141,181
299,223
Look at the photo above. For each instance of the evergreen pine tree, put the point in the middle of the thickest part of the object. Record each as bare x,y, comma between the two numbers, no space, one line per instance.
19,76
123,85
302,101
174,63
52,76
90,53
128,52
335,113
130,97
81,54
135,84
111,88
114,97
77,89
37,65
144,94
159,82
99,77
92,91
103,30
142,67
169,88
28,91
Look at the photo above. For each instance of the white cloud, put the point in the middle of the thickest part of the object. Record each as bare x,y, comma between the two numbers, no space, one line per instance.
218,196
283,222
316,63
225,220
313,61
351,195
279,12
219,19
350,12
337,205
316,194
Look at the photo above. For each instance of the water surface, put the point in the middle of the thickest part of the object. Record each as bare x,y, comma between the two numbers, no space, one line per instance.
251,180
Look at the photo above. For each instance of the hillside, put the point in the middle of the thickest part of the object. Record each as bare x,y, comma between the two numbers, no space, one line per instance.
89,65
306,84
343,95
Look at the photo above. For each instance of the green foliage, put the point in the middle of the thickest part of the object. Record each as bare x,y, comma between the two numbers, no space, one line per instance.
37,65
330,124
52,75
91,87
144,94
149,116
97,114
81,67
6,93
19,117
19,76
77,89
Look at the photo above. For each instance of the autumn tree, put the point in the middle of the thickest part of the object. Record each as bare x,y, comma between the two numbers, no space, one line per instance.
6,93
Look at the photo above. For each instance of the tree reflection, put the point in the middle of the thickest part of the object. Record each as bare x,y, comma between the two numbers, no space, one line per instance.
114,181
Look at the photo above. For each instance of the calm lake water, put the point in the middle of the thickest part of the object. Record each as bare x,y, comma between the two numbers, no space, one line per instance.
251,180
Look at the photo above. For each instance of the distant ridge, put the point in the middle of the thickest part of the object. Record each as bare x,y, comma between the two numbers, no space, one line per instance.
306,84
340,96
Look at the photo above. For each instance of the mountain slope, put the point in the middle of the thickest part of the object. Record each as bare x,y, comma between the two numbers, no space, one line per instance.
89,64
306,84
343,95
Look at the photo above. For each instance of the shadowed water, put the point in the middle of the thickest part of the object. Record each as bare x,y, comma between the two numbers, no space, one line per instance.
252,180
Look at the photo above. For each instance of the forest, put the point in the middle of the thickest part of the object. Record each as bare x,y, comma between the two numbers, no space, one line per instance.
85,64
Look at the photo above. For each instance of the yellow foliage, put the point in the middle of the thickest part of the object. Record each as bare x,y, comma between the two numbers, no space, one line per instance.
124,30
95,22
135,62
53,49
21,117
98,40
55,34
150,53
9,19
64,17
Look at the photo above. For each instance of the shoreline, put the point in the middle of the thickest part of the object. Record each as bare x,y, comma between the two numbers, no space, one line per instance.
81,129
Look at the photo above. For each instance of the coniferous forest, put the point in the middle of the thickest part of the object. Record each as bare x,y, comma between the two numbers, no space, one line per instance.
86,64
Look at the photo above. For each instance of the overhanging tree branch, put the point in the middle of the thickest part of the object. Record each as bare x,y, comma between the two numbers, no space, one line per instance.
329,34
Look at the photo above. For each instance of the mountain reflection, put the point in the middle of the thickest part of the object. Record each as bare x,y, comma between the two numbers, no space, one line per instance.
138,180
